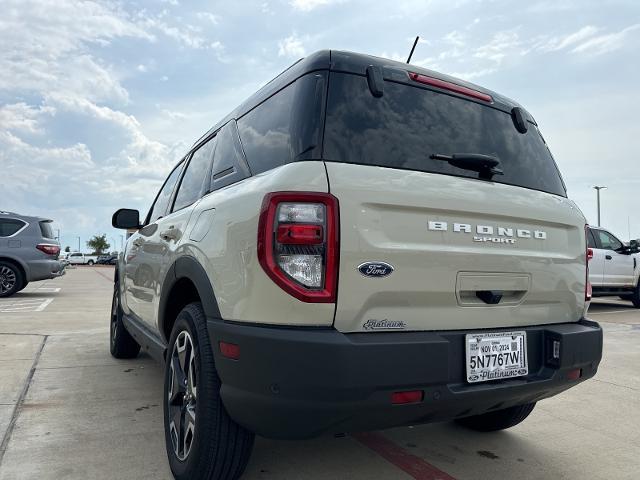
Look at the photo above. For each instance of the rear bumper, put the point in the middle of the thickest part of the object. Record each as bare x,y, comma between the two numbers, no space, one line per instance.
45,269
299,383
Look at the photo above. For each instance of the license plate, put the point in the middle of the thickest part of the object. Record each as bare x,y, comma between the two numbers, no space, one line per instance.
495,356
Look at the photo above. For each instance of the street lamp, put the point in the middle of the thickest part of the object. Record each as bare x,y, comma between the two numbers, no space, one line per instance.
78,243
598,188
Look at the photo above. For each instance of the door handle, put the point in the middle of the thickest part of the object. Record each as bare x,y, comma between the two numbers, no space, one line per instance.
137,243
169,234
608,257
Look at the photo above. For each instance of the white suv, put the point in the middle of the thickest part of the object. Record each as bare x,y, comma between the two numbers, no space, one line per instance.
613,266
362,244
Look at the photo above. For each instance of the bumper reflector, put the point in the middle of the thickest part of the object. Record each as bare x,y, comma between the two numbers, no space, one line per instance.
574,374
402,398
230,350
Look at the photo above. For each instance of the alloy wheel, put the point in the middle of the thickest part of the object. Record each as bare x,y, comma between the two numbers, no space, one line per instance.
7,279
182,396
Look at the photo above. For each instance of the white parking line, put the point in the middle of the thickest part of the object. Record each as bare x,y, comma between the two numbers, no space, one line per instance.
44,305
28,304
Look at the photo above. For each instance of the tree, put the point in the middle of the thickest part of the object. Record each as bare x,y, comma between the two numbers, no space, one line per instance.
99,244
67,249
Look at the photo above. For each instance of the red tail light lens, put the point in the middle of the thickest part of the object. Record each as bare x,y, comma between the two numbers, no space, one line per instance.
588,292
295,234
452,87
48,248
298,244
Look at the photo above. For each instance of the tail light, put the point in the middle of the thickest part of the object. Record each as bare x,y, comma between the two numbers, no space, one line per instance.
48,248
588,292
298,244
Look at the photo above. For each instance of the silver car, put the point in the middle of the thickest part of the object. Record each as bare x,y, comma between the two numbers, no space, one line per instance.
28,252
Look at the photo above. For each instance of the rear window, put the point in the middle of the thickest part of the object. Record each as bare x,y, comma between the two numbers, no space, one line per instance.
407,124
46,230
9,226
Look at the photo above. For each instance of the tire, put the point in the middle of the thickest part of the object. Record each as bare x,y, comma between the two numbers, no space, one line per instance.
90,263
206,444
635,297
498,420
121,343
11,279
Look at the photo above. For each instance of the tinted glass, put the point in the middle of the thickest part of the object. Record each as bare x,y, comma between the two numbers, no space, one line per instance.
591,240
162,202
407,124
46,230
286,127
9,226
194,177
229,164
608,241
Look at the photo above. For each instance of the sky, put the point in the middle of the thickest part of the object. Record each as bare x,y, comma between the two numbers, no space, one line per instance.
98,100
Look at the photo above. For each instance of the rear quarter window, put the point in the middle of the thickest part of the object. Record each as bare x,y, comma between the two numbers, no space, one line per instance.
10,226
407,124
287,126
46,230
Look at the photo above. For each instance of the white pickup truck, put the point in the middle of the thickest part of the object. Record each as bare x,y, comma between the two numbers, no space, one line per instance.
77,258
614,267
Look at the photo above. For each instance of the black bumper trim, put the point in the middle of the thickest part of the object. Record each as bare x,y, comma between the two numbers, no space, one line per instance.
300,383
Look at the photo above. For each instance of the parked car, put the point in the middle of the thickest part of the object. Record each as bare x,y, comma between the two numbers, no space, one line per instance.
28,252
360,245
77,258
613,266
109,259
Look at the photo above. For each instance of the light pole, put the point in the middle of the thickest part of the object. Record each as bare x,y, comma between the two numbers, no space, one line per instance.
598,188
121,242
78,244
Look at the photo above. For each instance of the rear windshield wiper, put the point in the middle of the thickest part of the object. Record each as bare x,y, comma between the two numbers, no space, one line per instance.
486,165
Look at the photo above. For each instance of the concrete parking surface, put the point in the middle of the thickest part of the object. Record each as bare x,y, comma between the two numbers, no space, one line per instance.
68,410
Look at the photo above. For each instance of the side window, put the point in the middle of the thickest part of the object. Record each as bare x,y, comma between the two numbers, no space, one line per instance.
266,132
9,226
608,241
591,240
229,164
197,172
159,208
287,126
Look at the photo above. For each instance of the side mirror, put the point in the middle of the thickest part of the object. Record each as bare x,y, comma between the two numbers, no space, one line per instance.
126,218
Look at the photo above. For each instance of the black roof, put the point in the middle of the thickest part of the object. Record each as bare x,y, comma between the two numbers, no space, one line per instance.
350,62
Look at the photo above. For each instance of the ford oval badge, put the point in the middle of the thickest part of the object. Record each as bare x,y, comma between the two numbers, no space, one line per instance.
375,269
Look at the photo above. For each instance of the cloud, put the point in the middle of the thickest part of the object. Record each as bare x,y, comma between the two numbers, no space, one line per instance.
24,118
564,41
291,47
308,5
208,16
606,43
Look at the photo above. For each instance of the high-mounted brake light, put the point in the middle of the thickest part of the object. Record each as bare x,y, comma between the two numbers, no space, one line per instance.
298,244
452,87
48,248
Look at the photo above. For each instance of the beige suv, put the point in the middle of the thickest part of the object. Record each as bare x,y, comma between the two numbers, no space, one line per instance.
361,244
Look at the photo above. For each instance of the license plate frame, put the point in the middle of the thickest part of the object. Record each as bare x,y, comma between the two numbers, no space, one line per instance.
505,358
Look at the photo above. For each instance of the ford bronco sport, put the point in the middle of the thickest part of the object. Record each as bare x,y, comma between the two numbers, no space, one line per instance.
360,245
